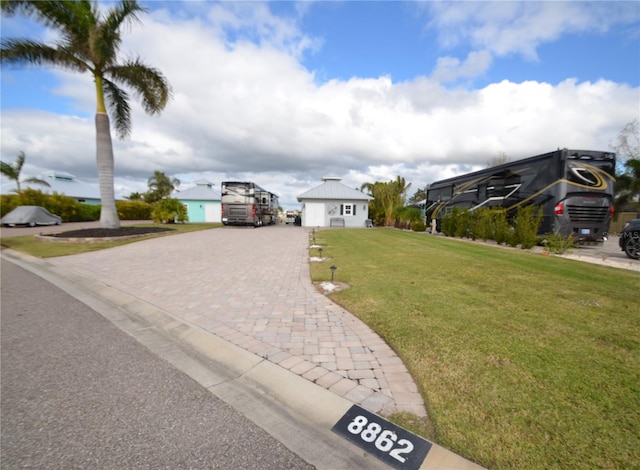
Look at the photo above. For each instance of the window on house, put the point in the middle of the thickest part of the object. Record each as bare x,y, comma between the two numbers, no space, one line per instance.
347,209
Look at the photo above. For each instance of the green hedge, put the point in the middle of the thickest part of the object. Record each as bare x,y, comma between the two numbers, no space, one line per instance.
134,210
492,223
69,209
66,207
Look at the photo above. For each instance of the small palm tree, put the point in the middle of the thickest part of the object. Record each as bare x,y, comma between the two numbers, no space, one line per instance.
160,186
13,172
386,198
89,42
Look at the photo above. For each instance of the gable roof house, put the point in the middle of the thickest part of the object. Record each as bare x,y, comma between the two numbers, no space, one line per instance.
334,204
203,203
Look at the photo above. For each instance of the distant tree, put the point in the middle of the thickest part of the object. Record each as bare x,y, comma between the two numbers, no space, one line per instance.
160,187
419,195
88,41
499,159
386,198
12,171
135,196
627,145
627,148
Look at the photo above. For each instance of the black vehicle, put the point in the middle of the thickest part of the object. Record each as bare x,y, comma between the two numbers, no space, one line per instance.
574,189
630,239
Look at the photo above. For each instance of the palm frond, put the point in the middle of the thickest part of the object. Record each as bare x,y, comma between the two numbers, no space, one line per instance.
69,17
7,170
19,162
147,83
107,38
118,103
126,11
37,181
25,51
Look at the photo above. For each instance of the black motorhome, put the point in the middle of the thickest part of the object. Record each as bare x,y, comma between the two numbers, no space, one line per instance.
574,189
246,203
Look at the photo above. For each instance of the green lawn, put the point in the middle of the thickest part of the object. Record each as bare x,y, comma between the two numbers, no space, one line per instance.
43,249
524,360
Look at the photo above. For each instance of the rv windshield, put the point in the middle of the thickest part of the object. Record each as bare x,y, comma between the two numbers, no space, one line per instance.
236,193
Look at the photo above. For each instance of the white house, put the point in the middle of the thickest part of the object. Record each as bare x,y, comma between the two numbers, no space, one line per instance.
333,204
203,203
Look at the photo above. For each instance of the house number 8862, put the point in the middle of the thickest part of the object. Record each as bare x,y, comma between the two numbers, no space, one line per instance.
384,440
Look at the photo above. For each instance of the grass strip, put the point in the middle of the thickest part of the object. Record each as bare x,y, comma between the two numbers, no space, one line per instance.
46,249
524,361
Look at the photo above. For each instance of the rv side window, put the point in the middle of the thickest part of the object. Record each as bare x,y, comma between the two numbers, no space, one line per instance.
446,194
482,192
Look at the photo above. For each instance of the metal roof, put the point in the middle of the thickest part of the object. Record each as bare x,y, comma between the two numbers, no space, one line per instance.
203,191
332,188
61,183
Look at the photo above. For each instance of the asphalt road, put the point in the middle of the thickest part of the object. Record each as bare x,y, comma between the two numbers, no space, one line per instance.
77,392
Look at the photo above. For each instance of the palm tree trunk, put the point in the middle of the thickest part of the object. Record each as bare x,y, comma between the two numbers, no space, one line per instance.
104,157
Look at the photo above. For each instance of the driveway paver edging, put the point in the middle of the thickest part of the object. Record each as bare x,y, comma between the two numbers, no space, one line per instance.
252,287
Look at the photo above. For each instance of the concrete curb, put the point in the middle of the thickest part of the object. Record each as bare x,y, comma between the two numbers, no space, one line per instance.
295,411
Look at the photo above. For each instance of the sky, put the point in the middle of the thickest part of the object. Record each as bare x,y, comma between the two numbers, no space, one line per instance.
284,93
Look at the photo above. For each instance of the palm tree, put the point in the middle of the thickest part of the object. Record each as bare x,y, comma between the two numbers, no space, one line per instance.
160,186
401,188
89,42
386,198
13,172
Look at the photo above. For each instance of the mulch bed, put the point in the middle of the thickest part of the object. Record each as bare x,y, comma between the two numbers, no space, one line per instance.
110,232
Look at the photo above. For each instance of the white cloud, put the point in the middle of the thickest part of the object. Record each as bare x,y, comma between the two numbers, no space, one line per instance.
248,109
506,27
450,68
502,28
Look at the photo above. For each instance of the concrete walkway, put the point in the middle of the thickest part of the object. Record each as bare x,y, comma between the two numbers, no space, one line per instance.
251,287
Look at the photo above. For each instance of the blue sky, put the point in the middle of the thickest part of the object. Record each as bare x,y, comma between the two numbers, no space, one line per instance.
284,93
369,39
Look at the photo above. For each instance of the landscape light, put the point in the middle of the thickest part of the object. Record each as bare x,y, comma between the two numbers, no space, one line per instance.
333,271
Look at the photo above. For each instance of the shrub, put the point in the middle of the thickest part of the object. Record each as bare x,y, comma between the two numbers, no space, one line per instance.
448,224
418,226
463,223
65,206
501,231
526,224
457,223
557,243
33,197
59,204
481,226
134,210
406,217
8,202
168,211
87,212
